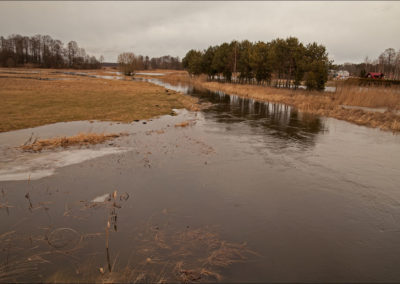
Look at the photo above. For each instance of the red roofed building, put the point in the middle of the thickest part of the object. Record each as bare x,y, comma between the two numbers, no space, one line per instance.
375,75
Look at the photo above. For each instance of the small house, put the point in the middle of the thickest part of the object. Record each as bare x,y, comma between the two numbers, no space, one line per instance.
342,75
375,75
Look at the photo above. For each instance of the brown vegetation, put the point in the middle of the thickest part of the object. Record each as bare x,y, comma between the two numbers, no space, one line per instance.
29,103
182,124
161,256
80,139
371,96
186,256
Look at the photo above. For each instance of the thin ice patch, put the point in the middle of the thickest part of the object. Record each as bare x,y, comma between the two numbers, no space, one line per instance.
34,166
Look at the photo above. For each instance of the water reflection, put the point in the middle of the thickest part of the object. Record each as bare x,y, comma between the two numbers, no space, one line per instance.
183,88
265,118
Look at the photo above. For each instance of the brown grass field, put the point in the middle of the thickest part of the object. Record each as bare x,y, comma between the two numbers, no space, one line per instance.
320,103
27,101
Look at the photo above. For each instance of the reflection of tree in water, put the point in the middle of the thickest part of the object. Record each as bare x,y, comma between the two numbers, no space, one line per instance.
272,119
268,119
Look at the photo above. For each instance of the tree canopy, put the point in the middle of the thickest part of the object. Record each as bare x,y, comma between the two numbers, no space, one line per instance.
288,61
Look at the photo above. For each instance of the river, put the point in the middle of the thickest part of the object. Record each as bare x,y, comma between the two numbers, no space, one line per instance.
248,191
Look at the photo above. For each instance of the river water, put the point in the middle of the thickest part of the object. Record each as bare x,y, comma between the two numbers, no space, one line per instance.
248,191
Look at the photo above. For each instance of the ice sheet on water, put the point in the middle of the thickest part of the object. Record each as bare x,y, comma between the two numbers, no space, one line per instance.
35,166
101,198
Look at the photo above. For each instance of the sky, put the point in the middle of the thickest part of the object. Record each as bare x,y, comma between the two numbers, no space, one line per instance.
349,30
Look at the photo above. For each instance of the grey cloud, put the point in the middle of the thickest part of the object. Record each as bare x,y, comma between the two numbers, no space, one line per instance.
350,30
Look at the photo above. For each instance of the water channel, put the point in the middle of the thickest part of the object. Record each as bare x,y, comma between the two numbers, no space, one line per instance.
248,191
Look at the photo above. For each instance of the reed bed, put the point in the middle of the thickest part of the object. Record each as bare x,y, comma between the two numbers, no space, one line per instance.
371,96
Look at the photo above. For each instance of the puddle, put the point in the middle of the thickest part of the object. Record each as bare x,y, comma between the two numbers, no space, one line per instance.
36,78
19,72
150,74
381,110
182,88
87,74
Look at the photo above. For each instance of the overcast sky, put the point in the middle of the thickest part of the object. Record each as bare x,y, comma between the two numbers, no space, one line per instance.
349,30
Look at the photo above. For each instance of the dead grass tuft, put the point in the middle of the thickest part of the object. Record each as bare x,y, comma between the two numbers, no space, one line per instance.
182,124
78,140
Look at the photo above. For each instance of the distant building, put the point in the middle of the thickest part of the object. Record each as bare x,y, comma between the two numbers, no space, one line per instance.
342,75
375,75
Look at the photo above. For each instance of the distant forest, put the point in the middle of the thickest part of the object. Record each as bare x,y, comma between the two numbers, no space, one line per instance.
45,52
163,62
387,63
129,62
283,62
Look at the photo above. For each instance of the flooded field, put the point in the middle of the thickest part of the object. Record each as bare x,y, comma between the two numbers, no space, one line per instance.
241,191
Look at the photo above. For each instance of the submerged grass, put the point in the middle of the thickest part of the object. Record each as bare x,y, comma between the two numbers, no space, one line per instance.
11,265
156,251
192,255
162,255
29,103
79,139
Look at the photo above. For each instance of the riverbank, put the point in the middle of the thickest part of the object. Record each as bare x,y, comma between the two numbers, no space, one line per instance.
328,104
34,97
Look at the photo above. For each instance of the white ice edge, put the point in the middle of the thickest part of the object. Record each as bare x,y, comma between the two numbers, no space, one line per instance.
45,164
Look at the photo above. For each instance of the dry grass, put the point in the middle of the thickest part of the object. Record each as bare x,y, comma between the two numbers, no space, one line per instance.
371,96
182,124
29,103
320,103
80,139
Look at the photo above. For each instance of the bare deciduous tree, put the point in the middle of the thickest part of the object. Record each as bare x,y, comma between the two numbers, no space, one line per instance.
126,61
43,51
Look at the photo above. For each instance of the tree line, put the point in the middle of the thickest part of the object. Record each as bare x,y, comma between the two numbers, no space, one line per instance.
280,62
388,63
129,62
45,52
